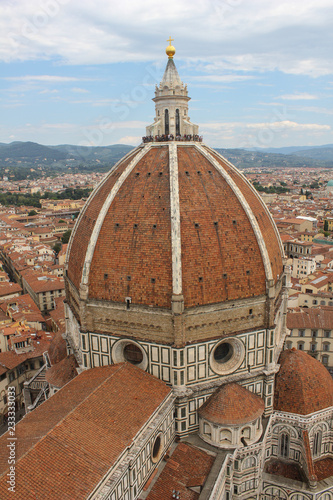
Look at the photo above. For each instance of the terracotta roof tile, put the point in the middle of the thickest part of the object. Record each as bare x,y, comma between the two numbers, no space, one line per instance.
323,468
187,467
316,318
132,256
79,432
63,372
232,404
302,385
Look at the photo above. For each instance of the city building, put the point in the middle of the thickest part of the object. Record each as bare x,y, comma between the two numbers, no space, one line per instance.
302,267
311,331
176,305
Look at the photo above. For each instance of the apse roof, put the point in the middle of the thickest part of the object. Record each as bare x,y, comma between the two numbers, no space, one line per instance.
303,385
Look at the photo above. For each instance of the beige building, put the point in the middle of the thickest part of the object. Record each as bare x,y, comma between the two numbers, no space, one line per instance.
302,267
43,288
311,330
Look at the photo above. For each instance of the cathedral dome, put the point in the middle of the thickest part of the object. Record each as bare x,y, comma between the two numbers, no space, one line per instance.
302,385
232,404
174,219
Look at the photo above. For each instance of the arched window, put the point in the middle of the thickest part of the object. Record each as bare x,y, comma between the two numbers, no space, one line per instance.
207,430
274,492
249,462
225,436
284,445
246,433
317,443
166,122
177,122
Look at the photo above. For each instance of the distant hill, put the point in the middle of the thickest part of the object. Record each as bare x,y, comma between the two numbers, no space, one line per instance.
324,152
34,151
102,153
244,159
29,150
29,159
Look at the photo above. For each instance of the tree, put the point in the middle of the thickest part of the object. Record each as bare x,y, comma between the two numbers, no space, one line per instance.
66,236
32,212
56,247
326,225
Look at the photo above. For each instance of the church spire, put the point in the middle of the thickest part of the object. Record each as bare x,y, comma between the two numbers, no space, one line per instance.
171,103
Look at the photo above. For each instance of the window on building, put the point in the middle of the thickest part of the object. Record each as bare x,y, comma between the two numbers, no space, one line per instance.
314,302
326,346
289,345
317,444
207,430
225,436
301,333
325,360
21,369
174,358
314,333
284,445
327,334
300,346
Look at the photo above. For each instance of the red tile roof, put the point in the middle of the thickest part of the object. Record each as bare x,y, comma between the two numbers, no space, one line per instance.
187,467
302,385
79,433
316,318
323,468
11,360
133,257
232,404
63,372
288,470
9,288
57,350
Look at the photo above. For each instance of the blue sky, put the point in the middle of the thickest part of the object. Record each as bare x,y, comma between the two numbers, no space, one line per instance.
260,74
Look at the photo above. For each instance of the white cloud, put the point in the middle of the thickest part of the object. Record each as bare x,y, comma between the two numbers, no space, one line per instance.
298,96
245,36
220,78
78,90
49,91
42,78
286,124
130,139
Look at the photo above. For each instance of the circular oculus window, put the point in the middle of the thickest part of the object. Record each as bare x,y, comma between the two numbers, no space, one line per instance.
157,448
132,352
227,356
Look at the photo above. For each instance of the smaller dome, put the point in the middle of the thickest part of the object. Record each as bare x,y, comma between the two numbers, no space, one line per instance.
232,404
302,385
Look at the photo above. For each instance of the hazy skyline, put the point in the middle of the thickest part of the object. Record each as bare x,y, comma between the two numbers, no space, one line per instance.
259,74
